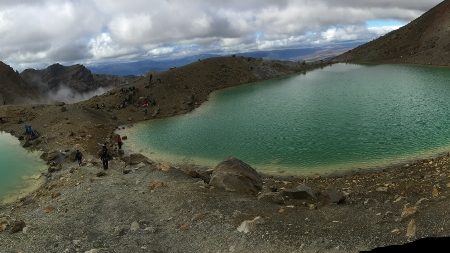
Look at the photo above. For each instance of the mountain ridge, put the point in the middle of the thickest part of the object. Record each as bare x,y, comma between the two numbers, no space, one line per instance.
425,40
70,83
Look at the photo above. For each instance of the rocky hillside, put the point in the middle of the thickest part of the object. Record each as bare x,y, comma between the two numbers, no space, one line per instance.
76,77
425,40
180,90
13,89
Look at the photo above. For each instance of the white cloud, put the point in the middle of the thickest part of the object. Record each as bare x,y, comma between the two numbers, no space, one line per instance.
103,46
380,30
160,51
34,31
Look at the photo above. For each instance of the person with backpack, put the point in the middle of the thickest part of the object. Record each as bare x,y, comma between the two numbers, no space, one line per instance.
119,142
104,156
79,157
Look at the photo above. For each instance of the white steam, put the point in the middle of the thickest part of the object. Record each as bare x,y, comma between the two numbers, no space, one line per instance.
68,95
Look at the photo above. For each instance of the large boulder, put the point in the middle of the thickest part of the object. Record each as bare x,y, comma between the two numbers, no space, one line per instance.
300,192
237,176
203,174
55,156
134,159
334,196
17,226
273,197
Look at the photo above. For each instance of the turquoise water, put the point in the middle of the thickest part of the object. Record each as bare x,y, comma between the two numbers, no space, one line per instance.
340,117
19,168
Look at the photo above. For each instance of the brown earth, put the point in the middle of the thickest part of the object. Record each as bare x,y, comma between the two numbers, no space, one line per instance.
425,40
150,207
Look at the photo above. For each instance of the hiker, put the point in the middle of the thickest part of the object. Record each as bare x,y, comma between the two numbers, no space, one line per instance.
30,133
104,156
27,130
79,157
119,141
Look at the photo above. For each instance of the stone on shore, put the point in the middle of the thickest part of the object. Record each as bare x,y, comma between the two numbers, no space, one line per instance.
334,196
236,176
72,155
3,225
204,175
300,192
274,197
153,185
248,225
101,174
408,211
411,229
17,226
53,169
55,156
134,226
134,159
382,189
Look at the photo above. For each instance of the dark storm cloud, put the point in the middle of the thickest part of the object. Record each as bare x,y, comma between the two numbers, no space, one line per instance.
70,52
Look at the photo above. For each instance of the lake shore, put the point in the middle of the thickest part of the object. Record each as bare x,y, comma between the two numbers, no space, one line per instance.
21,170
145,206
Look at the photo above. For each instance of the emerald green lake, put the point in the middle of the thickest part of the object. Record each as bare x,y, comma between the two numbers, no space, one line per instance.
340,117
19,168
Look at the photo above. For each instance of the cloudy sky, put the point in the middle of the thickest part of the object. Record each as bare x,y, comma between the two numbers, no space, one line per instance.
34,33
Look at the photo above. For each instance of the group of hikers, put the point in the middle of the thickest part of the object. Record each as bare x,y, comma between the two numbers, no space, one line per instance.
129,95
104,154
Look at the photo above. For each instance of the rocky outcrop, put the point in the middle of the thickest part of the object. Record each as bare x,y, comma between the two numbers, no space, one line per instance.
237,176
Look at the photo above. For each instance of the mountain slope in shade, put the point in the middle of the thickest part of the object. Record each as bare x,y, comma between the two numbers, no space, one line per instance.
425,40
13,89
56,76
70,83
